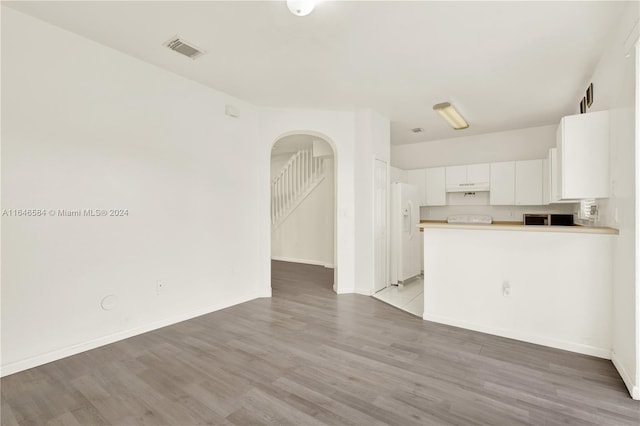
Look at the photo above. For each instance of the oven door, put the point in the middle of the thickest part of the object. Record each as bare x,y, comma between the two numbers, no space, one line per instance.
536,219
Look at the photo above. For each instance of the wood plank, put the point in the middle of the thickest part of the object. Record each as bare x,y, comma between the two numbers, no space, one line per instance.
309,356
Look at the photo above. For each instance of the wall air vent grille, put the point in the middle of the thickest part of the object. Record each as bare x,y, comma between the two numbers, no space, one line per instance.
183,47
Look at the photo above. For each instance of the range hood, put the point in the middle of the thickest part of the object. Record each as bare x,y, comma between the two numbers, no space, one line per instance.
468,187
469,178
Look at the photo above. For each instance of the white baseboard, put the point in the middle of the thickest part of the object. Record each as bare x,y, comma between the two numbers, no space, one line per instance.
523,336
352,290
634,388
306,261
25,364
265,293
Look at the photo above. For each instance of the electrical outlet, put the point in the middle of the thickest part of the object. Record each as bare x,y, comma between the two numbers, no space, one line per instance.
506,289
160,286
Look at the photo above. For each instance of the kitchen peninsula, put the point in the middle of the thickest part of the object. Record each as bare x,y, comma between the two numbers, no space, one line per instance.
540,284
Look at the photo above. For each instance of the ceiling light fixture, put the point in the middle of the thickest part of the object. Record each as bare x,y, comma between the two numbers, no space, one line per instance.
301,7
453,117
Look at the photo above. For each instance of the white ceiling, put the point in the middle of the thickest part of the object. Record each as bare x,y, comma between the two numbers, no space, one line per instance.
504,65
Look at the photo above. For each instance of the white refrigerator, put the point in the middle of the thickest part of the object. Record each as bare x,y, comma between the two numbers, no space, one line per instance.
405,235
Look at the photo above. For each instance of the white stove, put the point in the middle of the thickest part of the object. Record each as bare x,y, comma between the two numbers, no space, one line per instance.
470,218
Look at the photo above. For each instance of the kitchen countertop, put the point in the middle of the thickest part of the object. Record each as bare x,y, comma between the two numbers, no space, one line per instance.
518,226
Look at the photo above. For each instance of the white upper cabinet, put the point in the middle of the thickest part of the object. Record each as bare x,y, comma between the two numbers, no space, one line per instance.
583,156
456,175
503,183
435,191
546,182
554,178
529,183
478,173
522,183
474,177
418,178
431,185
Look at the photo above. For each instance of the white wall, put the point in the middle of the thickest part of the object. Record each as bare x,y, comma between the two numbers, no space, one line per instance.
307,234
498,213
521,144
614,82
557,299
337,128
86,127
372,142
89,127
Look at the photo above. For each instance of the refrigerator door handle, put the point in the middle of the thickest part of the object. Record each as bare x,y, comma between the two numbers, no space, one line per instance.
410,220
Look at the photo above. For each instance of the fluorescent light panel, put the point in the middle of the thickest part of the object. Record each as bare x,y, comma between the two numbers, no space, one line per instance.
453,117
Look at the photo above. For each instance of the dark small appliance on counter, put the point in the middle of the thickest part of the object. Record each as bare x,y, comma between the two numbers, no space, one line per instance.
561,220
548,219
536,219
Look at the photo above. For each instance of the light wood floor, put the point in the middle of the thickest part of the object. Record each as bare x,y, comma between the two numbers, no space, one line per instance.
307,357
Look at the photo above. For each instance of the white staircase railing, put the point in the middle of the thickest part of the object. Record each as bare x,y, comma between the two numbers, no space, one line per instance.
302,173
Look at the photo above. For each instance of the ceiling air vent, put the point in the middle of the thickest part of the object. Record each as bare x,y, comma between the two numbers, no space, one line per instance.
183,47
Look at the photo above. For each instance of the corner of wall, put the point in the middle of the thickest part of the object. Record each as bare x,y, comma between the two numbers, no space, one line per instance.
365,291
634,388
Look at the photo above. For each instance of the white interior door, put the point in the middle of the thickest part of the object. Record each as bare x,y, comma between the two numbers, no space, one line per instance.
380,225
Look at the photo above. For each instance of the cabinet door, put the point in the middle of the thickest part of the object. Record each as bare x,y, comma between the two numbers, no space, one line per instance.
478,173
503,183
583,153
529,183
554,174
436,194
456,175
554,178
546,182
417,178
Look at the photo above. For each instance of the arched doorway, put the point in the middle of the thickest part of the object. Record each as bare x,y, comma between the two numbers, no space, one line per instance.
303,201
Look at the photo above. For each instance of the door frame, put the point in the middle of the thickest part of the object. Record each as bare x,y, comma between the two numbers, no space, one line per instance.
376,259
333,146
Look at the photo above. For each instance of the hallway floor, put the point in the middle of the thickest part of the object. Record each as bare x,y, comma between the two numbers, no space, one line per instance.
408,297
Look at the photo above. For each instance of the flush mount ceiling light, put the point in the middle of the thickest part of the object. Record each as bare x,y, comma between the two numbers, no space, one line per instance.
453,117
301,7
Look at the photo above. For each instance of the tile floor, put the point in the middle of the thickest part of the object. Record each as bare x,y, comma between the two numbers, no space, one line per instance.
408,297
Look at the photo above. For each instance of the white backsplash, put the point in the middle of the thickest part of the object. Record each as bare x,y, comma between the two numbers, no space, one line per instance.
468,198
498,213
